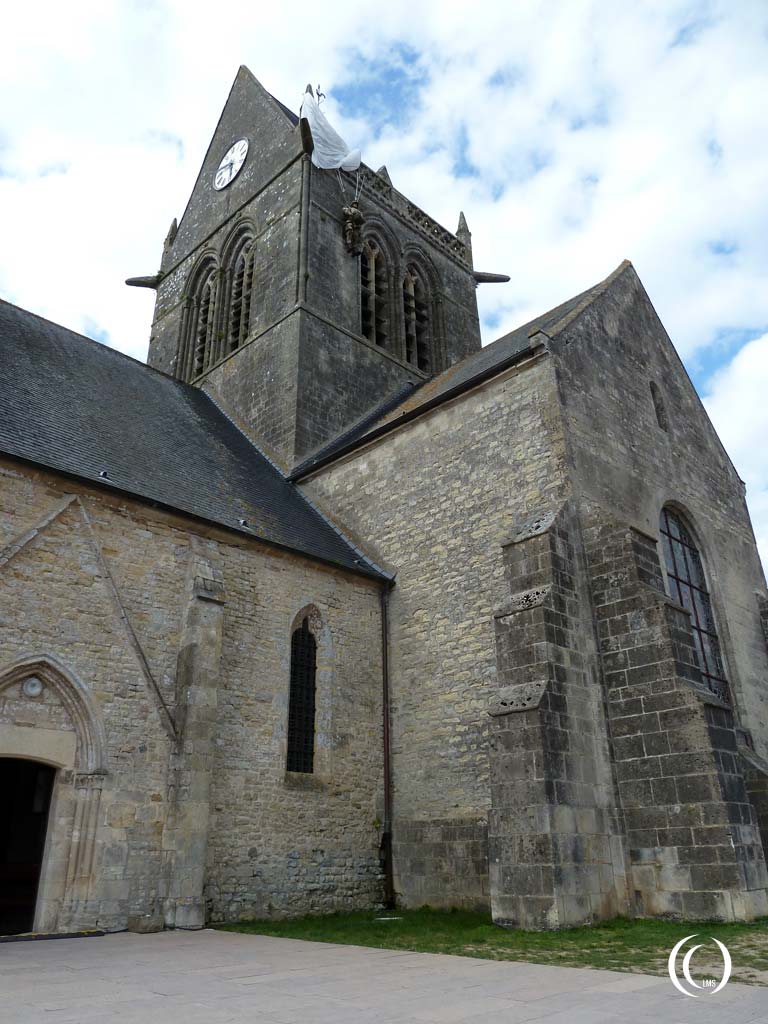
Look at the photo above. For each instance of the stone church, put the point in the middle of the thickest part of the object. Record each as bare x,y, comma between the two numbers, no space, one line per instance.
329,606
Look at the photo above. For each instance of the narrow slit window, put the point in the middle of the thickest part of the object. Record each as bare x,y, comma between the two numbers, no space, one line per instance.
301,702
687,586
659,406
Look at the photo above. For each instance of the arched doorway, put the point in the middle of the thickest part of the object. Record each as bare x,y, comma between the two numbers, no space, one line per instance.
25,799
51,730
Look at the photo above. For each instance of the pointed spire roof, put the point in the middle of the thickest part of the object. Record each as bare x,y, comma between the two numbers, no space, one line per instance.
251,113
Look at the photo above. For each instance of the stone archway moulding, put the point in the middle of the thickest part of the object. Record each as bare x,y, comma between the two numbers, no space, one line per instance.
76,699
67,873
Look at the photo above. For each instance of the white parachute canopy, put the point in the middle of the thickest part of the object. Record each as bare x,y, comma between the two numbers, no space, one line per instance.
330,149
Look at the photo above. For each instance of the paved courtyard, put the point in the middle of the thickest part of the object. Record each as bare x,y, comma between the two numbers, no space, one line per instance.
223,978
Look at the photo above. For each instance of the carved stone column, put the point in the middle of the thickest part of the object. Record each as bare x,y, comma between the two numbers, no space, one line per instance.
77,911
186,839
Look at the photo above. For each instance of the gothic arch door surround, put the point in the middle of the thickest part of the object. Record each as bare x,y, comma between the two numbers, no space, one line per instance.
50,718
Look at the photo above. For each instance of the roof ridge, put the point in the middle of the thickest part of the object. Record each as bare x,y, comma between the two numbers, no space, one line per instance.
165,442
479,366
589,297
92,341
360,424
286,479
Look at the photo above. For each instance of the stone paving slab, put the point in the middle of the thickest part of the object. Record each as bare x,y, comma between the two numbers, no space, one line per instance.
214,977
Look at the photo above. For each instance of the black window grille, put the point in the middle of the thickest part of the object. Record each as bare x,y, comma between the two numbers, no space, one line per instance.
301,704
688,586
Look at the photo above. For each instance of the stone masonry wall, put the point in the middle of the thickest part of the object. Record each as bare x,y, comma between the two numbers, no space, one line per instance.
334,282
434,502
276,843
557,855
444,856
339,380
341,374
694,844
273,217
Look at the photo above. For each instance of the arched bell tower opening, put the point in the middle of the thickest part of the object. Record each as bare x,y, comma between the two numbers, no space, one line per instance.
25,800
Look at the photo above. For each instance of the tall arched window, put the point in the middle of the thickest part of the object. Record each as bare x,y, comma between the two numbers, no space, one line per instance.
241,288
301,703
417,319
688,586
199,341
374,294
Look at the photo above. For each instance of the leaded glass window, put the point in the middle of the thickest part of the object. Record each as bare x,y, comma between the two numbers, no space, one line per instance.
301,705
688,586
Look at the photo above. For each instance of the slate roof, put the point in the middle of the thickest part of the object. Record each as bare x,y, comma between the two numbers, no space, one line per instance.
410,401
79,407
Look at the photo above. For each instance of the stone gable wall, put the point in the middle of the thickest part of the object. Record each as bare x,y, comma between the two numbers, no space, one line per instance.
626,466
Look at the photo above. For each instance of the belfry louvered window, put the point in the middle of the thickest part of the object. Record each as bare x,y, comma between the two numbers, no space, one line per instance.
301,702
416,315
205,327
241,289
374,294
199,335
688,586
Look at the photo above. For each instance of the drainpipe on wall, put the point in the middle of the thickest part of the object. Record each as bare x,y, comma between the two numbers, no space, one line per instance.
386,838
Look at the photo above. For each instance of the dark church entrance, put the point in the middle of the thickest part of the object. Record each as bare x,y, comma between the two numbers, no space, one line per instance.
25,796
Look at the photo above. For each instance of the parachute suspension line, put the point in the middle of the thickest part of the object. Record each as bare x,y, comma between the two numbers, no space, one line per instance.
342,186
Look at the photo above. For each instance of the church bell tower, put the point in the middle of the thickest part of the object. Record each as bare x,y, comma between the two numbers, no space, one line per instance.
302,299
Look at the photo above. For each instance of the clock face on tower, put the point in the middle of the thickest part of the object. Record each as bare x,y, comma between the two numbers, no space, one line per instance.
230,164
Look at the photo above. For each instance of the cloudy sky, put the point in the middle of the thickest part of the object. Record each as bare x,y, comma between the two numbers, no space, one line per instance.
572,134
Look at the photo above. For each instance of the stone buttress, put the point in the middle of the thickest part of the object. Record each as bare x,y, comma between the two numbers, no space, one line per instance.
555,849
197,683
692,833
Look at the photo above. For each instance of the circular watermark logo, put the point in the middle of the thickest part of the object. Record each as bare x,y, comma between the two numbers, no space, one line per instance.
706,985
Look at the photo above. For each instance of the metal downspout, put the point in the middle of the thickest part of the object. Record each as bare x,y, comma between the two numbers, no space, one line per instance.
386,837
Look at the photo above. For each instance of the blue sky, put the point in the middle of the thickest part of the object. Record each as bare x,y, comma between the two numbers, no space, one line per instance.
572,136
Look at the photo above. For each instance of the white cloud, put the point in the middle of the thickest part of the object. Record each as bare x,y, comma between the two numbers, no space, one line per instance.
736,403
589,136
